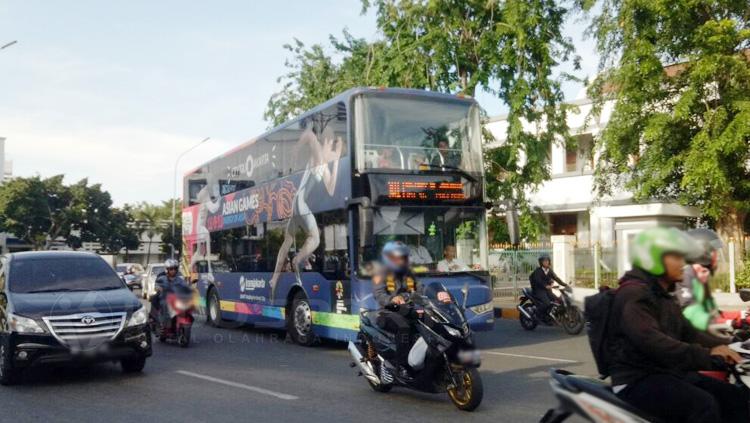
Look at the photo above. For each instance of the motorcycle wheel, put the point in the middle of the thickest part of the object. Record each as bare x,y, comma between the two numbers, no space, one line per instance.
468,396
526,323
183,337
573,320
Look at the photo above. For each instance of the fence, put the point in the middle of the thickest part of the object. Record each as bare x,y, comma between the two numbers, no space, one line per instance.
595,266
510,269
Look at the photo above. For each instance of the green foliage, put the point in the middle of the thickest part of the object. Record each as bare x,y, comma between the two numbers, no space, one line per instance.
508,48
680,133
156,219
46,210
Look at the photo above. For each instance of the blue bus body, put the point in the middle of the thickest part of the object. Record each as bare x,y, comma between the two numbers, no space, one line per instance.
312,224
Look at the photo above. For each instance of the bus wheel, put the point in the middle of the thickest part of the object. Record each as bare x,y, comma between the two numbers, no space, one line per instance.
299,321
213,309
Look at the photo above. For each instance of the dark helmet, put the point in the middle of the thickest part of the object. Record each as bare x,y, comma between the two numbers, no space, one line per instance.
709,243
544,257
394,249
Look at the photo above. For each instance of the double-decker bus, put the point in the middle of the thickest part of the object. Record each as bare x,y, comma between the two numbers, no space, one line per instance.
286,230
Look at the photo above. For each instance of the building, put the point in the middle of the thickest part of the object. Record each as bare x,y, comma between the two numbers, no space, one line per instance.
569,202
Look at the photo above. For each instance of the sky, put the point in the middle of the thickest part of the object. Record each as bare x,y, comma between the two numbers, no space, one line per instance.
115,91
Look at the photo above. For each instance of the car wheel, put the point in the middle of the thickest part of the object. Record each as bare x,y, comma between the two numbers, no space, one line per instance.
8,373
213,309
133,364
299,321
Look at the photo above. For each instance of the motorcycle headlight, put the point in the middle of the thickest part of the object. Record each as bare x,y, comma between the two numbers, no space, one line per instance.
22,324
140,317
453,331
482,308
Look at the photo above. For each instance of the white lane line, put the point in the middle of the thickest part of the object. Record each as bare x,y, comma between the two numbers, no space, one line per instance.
239,385
533,357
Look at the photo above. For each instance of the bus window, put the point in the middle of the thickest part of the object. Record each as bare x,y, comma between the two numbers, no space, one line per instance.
440,239
417,133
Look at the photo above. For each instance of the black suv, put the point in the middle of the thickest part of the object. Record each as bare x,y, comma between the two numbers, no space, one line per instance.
59,306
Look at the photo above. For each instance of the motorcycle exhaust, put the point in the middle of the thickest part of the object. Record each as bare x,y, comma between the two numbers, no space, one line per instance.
364,367
525,313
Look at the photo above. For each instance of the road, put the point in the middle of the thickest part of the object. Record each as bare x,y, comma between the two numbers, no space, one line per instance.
239,374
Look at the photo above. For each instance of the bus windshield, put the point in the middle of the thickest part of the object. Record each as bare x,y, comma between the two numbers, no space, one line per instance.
410,133
441,239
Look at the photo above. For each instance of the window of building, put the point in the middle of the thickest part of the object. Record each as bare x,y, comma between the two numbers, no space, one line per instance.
579,157
563,223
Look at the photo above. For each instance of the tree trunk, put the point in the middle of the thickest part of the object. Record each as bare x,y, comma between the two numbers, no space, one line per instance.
731,227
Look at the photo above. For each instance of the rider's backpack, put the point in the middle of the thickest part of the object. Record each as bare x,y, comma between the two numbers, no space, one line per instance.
598,312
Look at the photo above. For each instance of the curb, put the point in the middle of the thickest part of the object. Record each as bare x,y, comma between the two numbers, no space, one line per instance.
506,313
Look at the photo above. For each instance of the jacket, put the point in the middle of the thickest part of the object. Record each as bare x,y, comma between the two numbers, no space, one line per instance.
695,299
387,285
648,333
540,280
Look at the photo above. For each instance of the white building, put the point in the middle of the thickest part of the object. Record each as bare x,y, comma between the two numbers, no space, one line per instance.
569,201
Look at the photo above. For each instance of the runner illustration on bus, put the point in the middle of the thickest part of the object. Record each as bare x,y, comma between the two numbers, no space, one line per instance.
293,220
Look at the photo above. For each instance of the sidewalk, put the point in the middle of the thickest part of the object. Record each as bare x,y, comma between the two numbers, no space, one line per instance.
505,307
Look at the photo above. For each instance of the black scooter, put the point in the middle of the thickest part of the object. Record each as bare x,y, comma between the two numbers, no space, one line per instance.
443,357
563,312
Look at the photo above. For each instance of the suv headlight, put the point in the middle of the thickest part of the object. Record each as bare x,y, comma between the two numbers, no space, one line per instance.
140,317
22,324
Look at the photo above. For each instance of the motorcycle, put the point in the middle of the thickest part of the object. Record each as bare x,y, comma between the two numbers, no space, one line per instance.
178,323
443,357
593,399
562,313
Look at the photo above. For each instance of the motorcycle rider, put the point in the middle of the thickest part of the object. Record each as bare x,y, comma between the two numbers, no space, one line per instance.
694,292
654,352
391,283
541,285
165,283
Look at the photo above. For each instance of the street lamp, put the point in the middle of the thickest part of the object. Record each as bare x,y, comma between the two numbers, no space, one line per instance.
4,46
174,190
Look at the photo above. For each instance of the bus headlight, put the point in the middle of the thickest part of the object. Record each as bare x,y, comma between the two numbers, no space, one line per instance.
22,324
482,308
140,317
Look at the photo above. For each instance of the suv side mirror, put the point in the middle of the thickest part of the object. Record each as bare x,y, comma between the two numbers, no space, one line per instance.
745,294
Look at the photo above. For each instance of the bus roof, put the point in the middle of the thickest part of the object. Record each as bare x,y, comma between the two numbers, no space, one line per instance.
342,97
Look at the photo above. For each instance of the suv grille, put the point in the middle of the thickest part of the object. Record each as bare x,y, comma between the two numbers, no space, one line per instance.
85,328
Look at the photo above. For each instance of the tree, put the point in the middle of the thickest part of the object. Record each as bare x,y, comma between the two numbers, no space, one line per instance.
679,73
41,211
508,48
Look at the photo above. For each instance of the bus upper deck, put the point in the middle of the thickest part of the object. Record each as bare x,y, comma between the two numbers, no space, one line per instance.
285,230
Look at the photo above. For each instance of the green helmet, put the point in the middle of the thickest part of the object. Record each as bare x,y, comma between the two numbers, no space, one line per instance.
649,247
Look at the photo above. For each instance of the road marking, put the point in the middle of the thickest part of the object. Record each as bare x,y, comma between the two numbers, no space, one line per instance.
533,357
239,385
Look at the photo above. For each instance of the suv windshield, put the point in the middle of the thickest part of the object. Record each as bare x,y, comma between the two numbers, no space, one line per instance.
61,274
441,239
417,133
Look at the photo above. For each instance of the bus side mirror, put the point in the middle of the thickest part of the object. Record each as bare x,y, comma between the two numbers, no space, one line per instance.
366,237
511,218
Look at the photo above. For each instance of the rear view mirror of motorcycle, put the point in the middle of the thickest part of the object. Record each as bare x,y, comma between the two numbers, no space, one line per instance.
465,292
745,294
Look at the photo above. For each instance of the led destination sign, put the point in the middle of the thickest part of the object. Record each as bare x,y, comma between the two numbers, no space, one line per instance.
425,191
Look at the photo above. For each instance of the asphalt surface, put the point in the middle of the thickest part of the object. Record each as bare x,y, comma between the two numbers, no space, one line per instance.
242,374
